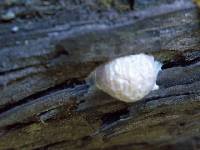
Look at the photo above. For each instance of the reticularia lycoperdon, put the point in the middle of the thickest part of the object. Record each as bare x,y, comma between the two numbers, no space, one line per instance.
129,78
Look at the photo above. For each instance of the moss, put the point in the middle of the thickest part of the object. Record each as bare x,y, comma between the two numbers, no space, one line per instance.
106,3
197,2
167,55
33,128
118,5
44,134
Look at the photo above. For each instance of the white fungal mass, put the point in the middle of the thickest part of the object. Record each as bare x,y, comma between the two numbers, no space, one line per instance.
128,78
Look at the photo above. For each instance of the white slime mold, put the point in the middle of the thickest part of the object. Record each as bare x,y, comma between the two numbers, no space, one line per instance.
128,78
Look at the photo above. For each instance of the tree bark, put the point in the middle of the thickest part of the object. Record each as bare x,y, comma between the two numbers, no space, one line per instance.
45,102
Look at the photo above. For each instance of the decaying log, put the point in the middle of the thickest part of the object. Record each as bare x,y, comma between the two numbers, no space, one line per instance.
45,102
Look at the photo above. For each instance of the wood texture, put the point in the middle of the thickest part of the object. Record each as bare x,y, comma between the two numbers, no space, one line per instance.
44,101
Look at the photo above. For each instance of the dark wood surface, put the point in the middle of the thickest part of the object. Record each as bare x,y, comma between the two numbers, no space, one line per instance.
47,50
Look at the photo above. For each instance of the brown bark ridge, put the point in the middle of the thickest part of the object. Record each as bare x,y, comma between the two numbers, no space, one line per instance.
48,48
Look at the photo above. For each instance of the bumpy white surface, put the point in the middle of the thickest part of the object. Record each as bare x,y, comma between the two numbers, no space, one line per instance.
128,78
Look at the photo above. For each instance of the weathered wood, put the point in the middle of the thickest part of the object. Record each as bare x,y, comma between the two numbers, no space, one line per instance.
45,102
